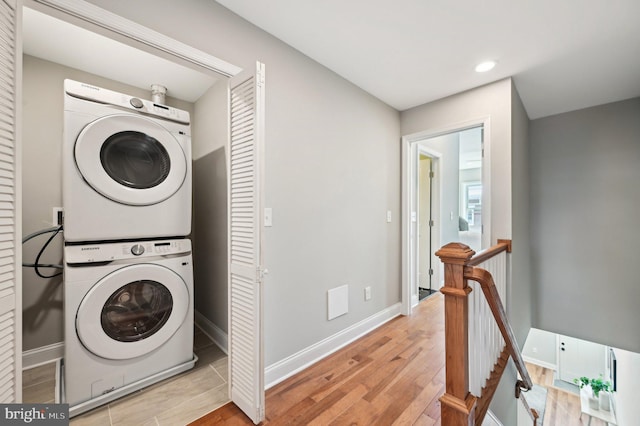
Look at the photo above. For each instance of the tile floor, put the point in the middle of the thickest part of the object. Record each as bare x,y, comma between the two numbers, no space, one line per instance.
177,400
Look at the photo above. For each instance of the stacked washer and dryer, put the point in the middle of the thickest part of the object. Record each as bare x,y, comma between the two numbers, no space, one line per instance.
128,277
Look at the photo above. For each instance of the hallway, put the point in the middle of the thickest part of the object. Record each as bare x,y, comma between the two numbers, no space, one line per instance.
393,375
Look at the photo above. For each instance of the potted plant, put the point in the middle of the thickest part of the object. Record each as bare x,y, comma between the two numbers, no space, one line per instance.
585,382
597,391
601,389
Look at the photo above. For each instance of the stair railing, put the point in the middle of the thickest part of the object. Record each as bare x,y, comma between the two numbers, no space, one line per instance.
478,338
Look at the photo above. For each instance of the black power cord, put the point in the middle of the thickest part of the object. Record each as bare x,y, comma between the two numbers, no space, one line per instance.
37,265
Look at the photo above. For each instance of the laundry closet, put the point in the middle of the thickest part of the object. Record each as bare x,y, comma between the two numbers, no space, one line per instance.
56,80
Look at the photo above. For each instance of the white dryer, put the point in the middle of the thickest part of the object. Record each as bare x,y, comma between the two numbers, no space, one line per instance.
126,167
128,318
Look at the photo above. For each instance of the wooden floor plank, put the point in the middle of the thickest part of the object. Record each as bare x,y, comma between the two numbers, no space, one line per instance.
563,407
393,374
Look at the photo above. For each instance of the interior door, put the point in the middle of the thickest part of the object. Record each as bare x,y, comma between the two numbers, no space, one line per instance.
245,159
10,204
579,358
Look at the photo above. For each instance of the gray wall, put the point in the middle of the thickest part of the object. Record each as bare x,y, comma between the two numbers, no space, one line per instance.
584,207
519,294
332,172
210,205
42,187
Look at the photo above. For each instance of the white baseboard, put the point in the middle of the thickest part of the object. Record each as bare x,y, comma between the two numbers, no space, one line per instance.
281,370
216,334
540,363
414,300
42,355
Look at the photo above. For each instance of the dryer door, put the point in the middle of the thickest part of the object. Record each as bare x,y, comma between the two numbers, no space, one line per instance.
130,159
132,311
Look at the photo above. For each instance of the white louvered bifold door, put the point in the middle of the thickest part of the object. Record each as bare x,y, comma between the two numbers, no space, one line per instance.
10,224
246,364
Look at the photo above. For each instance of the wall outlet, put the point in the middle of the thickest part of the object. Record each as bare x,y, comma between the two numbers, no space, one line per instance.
367,293
58,215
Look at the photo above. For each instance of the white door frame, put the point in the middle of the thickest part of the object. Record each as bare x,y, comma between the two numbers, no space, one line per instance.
409,173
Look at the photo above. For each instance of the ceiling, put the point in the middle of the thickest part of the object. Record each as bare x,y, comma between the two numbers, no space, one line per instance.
63,43
563,55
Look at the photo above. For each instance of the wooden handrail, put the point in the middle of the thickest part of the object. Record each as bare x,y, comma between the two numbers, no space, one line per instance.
458,406
478,258
490,291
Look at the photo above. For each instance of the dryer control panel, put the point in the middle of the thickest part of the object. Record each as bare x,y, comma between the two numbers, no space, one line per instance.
106,96
107,252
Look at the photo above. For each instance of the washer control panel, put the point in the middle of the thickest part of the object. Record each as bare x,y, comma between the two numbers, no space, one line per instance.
107,252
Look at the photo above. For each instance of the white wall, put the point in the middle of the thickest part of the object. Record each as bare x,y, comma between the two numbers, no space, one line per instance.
332,172
628,366
449,147
541,348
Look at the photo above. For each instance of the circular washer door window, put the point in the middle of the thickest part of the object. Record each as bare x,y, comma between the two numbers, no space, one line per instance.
130,159
132,311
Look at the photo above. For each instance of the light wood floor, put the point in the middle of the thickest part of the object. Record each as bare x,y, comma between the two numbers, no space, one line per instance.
563,407
175,401
393,375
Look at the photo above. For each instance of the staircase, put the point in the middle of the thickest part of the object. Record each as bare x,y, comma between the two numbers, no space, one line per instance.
479,340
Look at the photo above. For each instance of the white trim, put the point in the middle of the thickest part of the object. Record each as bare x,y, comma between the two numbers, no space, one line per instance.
491,420
539,363
18,202
42,355
283,369
408,152
119,25
215,333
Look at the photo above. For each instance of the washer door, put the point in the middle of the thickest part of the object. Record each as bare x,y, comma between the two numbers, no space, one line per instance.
130,159
132,311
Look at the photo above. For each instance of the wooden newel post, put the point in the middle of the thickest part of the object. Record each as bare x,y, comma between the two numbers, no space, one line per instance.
457,404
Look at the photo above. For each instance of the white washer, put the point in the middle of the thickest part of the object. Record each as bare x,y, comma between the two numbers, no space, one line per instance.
128,318
126,167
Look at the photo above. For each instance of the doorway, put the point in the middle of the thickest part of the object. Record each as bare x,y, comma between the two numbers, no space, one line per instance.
428,233
443,202
156,43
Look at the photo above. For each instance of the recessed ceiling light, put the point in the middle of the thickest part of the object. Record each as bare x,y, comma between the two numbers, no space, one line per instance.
485,66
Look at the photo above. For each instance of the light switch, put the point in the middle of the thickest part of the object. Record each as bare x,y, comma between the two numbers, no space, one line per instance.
388,216
268,216
414,217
